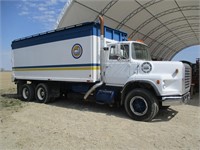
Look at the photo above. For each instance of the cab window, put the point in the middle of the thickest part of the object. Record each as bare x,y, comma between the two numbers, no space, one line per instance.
113,54
122,53
124,50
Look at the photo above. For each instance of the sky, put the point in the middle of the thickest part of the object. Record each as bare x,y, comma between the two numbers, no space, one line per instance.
21,18
189,54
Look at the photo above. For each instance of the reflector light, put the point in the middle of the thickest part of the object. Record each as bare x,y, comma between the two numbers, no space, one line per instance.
158,81
141,41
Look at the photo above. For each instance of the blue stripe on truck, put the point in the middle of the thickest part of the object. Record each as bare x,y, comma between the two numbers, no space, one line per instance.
77,31
57,66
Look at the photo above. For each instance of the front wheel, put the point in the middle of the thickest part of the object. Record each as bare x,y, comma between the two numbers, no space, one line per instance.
141,105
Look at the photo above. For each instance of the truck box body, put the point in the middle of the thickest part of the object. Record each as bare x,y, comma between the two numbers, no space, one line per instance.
69,54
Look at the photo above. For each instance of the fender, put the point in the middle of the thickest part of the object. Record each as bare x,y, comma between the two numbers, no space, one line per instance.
137,84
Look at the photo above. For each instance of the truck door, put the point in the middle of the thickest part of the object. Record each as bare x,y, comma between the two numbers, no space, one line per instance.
118,65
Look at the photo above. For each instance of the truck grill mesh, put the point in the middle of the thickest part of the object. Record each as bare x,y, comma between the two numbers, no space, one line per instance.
187,77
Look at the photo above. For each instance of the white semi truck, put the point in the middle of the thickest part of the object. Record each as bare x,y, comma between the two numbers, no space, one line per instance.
98,62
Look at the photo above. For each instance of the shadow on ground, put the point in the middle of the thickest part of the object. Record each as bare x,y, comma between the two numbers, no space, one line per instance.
78,104
15,96
165,115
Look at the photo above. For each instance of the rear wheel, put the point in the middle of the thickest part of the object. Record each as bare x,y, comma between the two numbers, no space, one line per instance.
141,105
42,93
27,92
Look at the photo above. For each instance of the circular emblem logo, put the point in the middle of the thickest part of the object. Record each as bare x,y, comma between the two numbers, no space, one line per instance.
146,67
77,51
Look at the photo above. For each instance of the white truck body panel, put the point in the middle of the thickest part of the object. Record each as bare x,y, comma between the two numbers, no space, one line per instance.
53,61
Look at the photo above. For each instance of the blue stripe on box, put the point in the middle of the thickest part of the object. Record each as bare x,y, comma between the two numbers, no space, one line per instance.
57,66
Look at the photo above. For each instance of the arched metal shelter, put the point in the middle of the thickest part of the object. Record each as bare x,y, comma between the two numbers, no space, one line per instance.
167,26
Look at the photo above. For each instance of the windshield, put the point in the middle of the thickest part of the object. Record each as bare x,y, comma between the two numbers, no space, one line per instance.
141,52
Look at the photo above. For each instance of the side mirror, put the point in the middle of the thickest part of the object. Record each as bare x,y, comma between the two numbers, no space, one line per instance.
105,48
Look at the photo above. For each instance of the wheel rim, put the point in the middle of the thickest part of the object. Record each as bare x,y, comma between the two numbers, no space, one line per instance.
41,94
138,105
25,93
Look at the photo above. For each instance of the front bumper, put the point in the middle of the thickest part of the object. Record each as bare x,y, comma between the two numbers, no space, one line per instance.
175,100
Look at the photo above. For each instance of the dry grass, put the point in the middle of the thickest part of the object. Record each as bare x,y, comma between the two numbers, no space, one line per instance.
5,80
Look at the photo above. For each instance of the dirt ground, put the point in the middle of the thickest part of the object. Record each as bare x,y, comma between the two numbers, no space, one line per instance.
75,124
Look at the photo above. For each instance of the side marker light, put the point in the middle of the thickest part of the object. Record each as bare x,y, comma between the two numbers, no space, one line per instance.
158,81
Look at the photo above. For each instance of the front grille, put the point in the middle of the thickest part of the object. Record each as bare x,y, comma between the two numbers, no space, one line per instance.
187,77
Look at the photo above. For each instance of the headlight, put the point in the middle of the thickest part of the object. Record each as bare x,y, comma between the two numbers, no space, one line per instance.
164,84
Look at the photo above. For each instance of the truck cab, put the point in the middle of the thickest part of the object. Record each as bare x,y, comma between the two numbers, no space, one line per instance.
146,85
122,59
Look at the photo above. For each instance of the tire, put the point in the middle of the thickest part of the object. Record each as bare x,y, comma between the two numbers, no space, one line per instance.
19,88
42,93
141,105
27,92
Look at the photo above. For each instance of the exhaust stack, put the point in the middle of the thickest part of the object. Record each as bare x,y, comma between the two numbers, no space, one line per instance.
101,26
102,61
